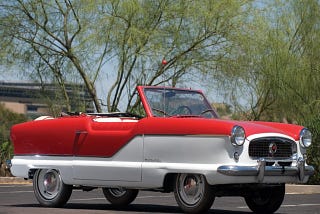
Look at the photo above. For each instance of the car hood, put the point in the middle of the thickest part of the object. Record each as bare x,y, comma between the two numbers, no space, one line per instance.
258,127
198,126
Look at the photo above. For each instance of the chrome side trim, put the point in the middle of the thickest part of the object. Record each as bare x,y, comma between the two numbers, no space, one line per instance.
261,170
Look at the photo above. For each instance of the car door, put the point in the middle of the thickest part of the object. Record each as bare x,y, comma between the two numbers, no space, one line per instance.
108,149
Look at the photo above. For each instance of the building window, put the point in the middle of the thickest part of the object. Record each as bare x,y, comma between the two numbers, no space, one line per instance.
32,108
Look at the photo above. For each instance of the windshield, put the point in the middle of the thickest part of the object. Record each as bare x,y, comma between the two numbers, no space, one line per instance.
165,102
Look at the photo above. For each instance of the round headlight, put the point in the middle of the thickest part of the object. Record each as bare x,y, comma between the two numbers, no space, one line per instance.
305,138
237,136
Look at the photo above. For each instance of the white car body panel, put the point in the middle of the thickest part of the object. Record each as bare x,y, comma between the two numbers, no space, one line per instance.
146,160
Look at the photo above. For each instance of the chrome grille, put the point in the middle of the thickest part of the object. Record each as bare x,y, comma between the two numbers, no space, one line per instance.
272,148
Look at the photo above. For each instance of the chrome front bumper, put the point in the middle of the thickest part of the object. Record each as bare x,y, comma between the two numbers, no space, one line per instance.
261,170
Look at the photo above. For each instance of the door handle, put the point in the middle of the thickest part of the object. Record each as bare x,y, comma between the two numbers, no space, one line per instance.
78,132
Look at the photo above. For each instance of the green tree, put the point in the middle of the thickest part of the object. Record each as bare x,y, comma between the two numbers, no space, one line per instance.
122,41
192,36
314,152
49,38
276,67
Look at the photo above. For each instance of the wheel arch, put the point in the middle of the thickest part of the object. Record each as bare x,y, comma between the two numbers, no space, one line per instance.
31,172
168,182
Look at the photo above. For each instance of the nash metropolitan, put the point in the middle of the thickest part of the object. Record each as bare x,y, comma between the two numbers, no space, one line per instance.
179,145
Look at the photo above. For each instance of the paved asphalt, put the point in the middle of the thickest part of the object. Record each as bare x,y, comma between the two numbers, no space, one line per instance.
17,197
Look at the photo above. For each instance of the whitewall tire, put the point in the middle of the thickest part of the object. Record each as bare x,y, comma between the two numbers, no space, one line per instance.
49,188
120,196
192,193
266,200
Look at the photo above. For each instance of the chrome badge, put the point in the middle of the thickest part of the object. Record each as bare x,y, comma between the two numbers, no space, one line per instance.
272,148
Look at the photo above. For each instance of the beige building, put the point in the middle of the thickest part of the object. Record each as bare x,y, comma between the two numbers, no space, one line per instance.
26,98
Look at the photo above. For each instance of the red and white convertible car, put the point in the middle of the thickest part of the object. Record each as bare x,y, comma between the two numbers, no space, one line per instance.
178,146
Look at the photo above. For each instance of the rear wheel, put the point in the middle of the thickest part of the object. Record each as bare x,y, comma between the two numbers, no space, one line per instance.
266,200
193,194
49,189
120,196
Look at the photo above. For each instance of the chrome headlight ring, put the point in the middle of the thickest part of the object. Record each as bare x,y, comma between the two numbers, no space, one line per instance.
238,136
305,138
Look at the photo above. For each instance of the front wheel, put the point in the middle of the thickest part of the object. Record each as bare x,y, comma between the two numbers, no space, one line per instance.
266,200
120,196
192,193
49,188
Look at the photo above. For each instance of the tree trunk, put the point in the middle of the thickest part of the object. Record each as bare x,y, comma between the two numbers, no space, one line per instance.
89,85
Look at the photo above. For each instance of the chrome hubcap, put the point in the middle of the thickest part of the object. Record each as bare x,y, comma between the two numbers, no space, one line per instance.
49,183
191,188
117,192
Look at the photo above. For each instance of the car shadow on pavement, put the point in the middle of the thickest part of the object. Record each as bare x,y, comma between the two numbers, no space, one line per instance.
134,208
143,208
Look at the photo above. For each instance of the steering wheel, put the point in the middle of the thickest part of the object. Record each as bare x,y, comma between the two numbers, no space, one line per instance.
206,111
182,109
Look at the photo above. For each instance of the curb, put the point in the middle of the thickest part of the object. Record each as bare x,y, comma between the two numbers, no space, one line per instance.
14,180
302,189
290,188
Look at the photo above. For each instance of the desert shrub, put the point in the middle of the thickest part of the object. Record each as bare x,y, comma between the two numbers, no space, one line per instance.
314,150
7,119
